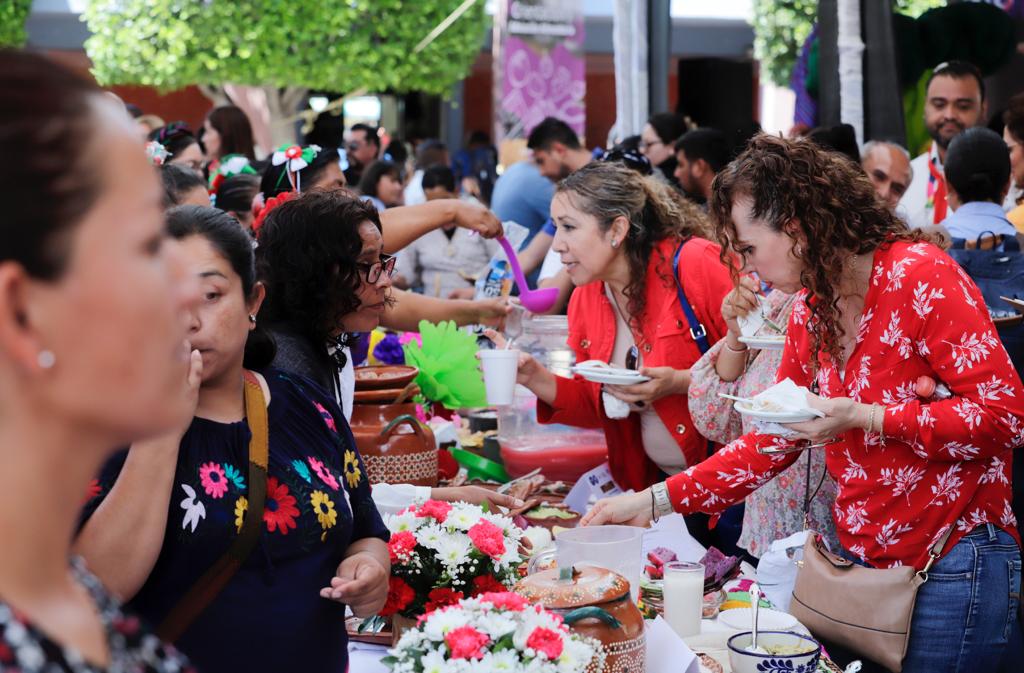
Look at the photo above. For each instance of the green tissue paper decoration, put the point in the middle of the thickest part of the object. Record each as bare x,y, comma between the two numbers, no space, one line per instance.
449,370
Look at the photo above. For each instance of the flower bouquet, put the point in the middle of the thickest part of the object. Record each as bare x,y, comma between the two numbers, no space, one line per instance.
443,552
494,632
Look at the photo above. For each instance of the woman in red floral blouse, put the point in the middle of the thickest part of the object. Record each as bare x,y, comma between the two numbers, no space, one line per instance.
881,308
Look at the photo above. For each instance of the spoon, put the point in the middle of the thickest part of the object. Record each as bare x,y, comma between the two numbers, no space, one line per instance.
755,604
737,399
535,301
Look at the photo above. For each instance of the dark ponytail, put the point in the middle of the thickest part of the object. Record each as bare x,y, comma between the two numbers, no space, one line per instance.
229,239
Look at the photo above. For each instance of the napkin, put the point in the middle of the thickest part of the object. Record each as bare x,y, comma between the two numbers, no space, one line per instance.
787,396
666,652
614,408
753,321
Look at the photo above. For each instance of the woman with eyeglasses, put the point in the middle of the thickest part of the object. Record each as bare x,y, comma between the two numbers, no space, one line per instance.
171,509
321,257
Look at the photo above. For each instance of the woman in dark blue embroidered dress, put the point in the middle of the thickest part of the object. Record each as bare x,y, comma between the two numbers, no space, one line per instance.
166,514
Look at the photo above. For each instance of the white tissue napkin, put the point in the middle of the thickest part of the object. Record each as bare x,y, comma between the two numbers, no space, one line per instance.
614,408
787,396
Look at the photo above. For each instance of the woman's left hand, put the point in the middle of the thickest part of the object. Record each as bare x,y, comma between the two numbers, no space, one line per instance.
841,414
361,583
664,381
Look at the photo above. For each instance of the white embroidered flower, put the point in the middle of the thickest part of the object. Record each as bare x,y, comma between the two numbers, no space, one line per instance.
947,486
995,472
194,508
924,299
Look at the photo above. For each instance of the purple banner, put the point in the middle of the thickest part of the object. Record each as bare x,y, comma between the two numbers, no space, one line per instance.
539,65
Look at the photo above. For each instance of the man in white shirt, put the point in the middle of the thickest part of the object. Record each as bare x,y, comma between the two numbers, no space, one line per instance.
955,101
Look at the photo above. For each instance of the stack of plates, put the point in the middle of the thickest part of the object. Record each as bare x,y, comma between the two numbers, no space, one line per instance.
599,372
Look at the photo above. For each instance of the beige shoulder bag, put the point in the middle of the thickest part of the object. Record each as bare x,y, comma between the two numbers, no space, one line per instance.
864,609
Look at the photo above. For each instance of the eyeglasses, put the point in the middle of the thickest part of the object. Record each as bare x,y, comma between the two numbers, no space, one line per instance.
373,271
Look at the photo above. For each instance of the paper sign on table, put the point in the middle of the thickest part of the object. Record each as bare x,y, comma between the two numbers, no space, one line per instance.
666,652
591,487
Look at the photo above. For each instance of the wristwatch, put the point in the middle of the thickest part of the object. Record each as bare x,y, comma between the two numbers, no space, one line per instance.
662,504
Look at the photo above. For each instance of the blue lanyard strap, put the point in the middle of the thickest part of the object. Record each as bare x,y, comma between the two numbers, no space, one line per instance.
697,331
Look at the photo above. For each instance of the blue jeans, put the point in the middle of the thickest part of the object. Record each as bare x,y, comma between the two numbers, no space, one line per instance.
966,612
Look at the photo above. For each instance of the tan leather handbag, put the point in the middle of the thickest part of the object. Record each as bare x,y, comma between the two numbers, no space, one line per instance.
864,609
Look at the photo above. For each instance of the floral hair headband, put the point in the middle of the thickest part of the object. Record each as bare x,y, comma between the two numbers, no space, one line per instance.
156,153
294,158
230,166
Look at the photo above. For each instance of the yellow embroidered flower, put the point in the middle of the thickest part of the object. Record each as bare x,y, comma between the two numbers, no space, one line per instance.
324,509
241,507
352,472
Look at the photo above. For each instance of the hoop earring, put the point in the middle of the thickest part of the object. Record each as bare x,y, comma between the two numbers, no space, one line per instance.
46,359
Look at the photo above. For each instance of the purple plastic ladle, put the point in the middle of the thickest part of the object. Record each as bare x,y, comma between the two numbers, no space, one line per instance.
535,301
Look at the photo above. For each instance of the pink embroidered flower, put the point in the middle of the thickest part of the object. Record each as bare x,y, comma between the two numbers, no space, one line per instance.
506,600
436,509
322,472
488,538
402,544
213,479
466,642
326,415
546,641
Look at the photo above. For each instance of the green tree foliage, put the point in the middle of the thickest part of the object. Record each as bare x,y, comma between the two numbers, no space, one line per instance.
335,45
782,26
12,22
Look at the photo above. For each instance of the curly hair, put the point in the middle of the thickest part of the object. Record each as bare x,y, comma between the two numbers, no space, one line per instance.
607,190
833,206
306,256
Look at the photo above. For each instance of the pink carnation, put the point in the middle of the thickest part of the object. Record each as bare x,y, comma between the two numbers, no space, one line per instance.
488,538
506,600
547,641
436,509
402,543
466,642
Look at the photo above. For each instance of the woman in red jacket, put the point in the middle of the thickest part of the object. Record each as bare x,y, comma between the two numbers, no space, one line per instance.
624,239
881,308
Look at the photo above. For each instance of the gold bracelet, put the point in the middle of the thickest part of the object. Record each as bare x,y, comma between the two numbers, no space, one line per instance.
737,350
871,420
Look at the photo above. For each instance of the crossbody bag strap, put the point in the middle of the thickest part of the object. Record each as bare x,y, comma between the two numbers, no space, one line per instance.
697,331
213,581
936,551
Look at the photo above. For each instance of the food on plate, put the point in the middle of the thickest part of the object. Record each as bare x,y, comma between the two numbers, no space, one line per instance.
718,569
658,557
550,515
764,405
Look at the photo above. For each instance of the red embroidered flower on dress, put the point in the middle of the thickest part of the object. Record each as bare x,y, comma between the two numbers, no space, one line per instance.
466,642
506,600
213,479
487,584
442,598
280,511
400,594
547,641
436,509
488,538
323,473
401,544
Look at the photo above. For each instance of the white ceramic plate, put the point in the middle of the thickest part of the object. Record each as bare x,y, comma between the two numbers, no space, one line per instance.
610,375
798,416
767,619
773,342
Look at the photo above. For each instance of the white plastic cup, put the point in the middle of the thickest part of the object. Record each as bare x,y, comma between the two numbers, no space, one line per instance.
500,368
684,597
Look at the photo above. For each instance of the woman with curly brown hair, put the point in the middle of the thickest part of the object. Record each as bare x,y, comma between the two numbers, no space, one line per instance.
628,245
881,309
